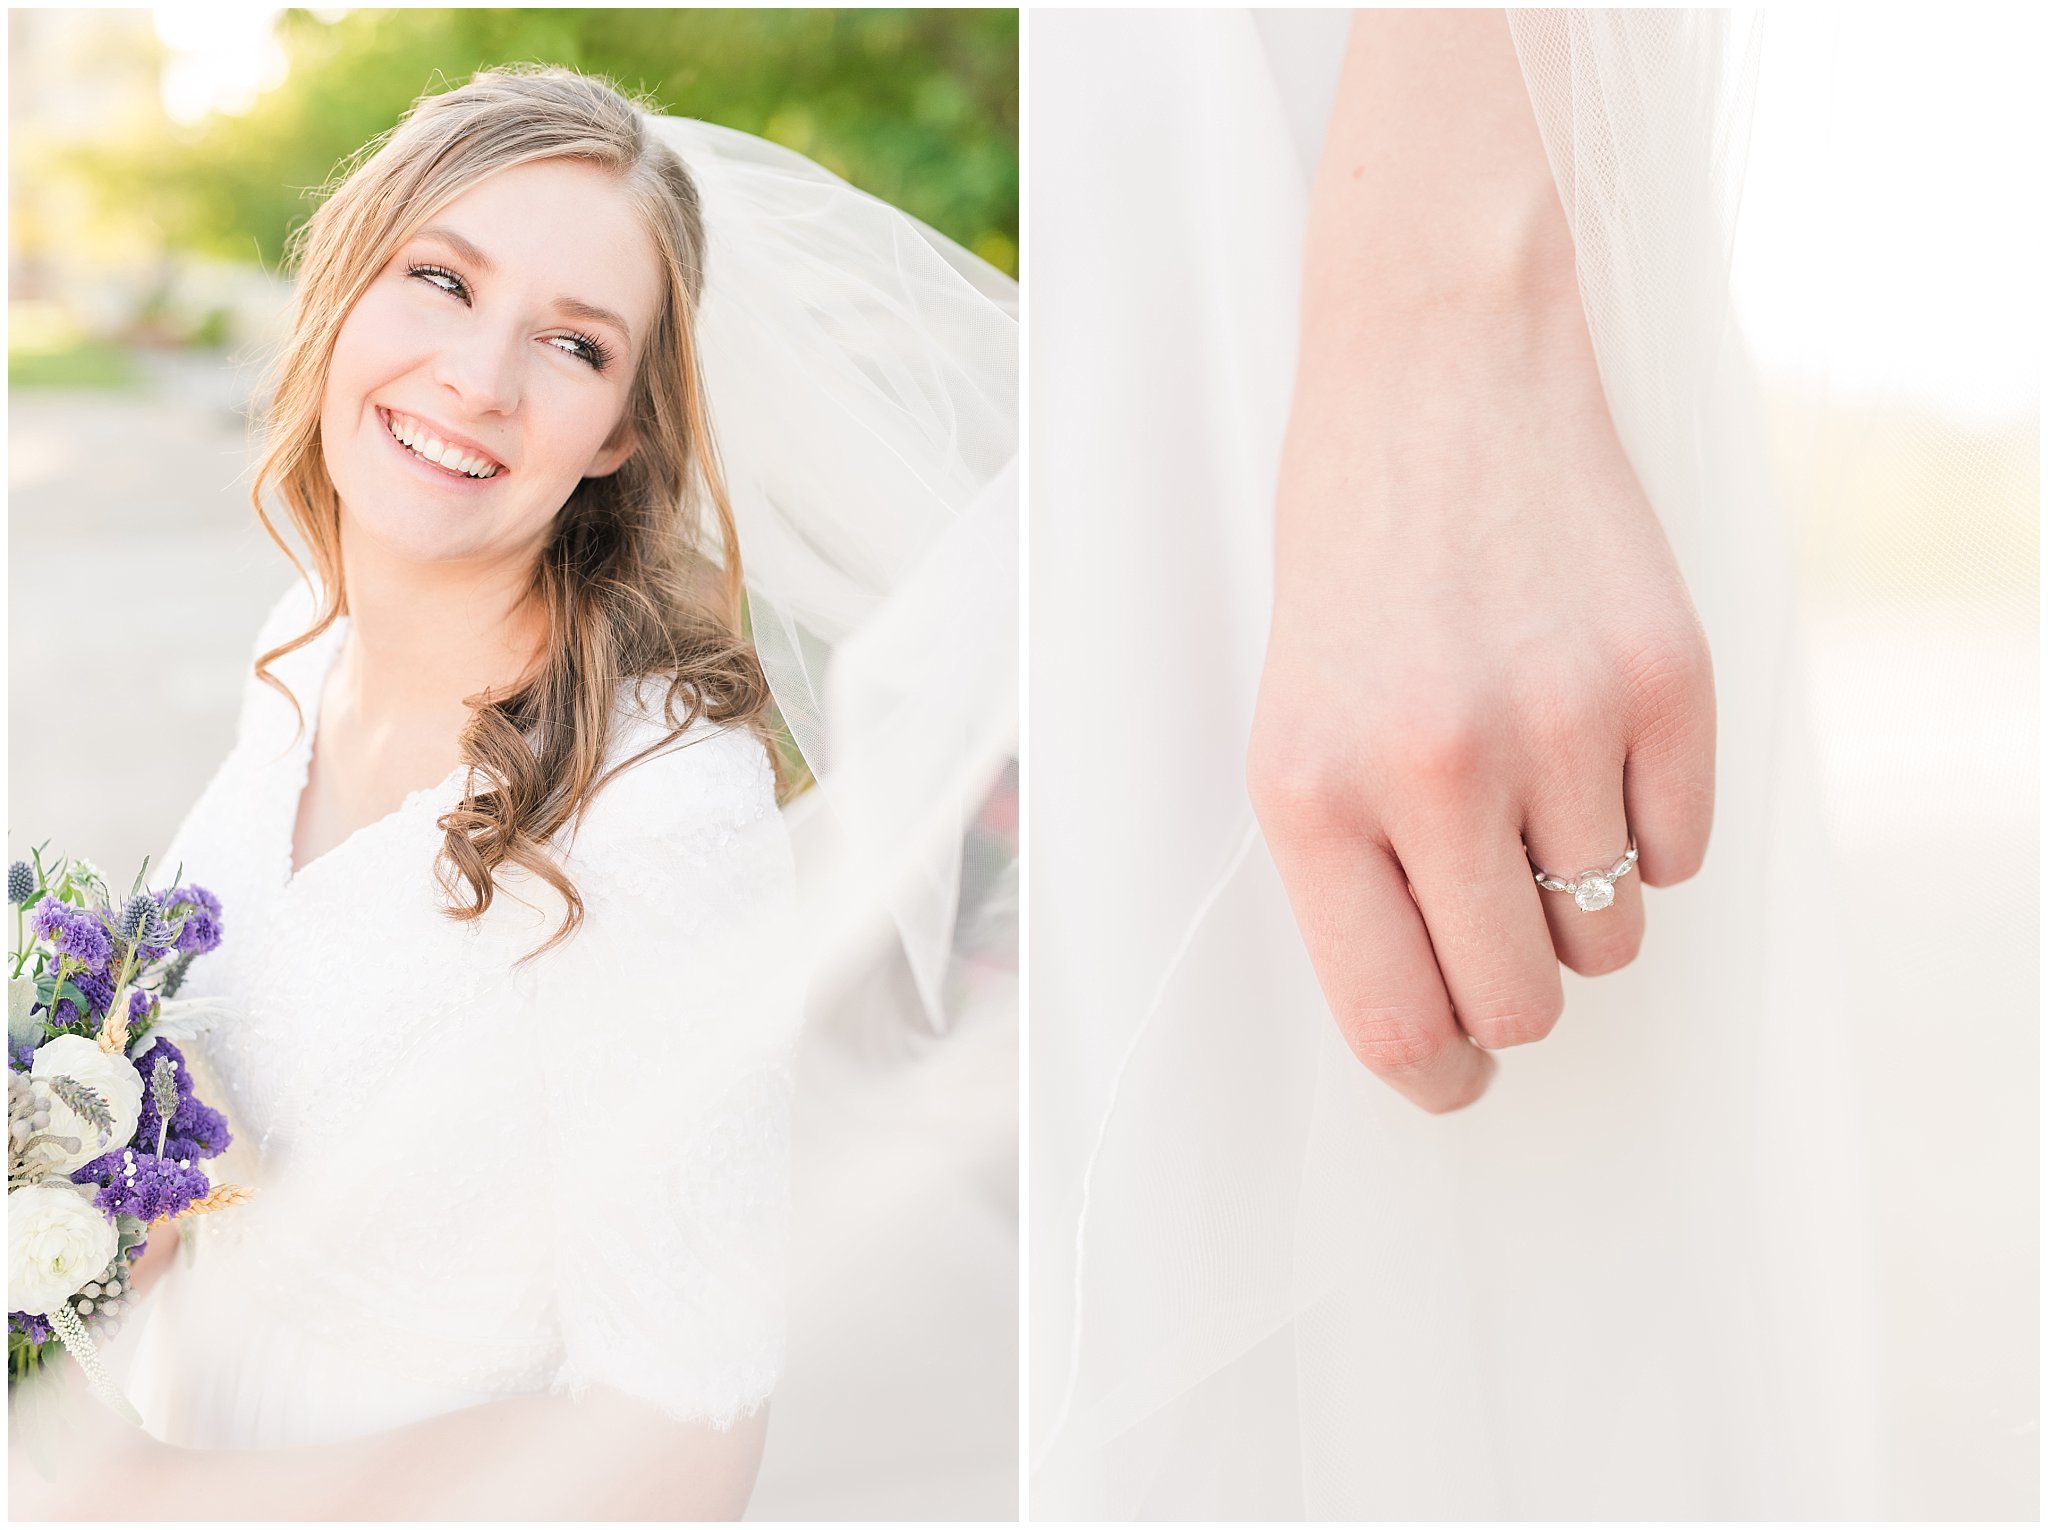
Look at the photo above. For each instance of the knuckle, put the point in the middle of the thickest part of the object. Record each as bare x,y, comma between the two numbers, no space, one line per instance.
1670,672
1394,1045
1513,1030
1296,787
1439,754
1516,1024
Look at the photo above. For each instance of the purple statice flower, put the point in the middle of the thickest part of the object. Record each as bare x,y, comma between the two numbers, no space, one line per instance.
29,1325
21,1055
140,1004
77,932
197,1130
201,932
98,988
142,1185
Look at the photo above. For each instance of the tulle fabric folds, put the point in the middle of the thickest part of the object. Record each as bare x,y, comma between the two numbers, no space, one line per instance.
862,372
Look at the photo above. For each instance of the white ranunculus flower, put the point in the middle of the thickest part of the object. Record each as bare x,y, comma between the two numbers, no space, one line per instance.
57,1240
108,1074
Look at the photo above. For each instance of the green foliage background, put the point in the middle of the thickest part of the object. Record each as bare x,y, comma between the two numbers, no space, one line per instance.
918,107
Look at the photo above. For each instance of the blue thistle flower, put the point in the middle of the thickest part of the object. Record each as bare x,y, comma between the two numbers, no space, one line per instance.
21,883
135,916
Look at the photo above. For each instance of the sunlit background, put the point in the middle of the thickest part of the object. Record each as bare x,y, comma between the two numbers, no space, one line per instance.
1888,274
158,162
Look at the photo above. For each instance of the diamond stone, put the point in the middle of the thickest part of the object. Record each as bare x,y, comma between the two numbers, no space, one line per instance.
1594,892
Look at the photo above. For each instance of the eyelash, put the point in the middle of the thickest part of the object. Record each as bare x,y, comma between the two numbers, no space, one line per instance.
595,352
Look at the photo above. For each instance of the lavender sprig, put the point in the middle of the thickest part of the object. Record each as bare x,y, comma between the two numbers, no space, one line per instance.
163,1090
83,1099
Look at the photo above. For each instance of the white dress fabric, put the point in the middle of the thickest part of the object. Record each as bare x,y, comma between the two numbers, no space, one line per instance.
1634,1281
477,1180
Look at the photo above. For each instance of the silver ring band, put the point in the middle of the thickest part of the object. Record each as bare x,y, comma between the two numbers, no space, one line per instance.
1592,889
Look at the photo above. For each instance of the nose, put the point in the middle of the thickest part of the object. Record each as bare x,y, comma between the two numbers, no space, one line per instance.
481,369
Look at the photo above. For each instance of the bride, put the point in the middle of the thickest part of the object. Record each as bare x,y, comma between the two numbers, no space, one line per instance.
515,960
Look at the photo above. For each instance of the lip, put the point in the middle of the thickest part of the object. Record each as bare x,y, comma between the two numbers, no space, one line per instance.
453,438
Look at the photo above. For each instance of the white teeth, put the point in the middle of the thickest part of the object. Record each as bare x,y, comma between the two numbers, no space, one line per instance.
424,443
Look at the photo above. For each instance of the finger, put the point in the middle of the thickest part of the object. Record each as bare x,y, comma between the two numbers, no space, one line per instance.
1668,788
1479,902
1373,958
1578,826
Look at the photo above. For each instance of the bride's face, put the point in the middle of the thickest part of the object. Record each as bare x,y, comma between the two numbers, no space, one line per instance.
501,341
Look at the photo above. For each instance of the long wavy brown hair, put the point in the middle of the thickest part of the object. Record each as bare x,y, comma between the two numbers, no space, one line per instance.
633,581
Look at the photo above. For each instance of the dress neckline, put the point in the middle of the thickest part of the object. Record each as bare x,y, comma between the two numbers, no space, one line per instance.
321,657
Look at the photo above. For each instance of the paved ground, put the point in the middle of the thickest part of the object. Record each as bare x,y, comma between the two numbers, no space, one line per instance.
136,575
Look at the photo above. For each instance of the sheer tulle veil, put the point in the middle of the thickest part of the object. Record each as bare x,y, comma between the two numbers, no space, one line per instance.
862,376
1635,1280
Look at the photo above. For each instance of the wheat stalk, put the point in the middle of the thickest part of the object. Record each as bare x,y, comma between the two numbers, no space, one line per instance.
217,1199
114,1028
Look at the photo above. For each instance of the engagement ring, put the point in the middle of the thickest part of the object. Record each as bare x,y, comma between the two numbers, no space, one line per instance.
1592,890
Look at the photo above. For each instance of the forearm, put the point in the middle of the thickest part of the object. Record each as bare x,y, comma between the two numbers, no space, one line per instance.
1433,187
476,1463
1443,338
534,1457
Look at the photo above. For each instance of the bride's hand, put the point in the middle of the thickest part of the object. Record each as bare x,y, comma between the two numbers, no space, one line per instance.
156,1258
1480,636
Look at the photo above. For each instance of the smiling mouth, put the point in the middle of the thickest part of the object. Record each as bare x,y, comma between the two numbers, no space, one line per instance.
430,448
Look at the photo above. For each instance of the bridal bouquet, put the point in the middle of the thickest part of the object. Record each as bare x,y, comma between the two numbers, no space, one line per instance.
105,1136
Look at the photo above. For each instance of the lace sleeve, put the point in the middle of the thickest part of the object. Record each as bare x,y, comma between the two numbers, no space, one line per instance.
666,1028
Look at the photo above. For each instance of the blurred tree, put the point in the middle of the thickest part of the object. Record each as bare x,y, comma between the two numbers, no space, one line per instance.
918,107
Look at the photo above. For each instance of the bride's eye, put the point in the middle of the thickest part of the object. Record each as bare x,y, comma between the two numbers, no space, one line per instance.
442,277
586,347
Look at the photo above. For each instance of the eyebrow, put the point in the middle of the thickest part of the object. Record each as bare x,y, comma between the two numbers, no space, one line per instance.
576,308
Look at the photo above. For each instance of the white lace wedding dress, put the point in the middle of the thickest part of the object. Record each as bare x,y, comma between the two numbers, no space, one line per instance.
476,1180
1644,1276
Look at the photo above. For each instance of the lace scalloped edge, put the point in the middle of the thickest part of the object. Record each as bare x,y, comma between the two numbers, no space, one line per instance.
754,1395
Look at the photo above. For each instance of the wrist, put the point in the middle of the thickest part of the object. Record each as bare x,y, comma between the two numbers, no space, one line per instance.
1511,256
1371,357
